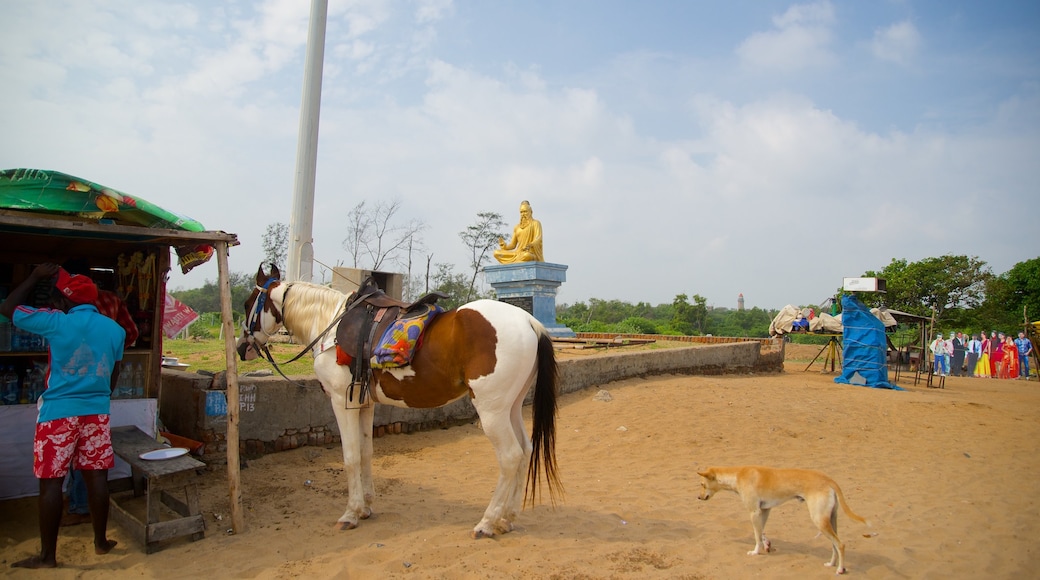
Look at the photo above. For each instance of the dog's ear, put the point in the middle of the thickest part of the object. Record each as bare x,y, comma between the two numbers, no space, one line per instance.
707,474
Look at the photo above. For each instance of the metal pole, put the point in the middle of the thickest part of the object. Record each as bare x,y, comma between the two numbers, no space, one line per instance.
301,241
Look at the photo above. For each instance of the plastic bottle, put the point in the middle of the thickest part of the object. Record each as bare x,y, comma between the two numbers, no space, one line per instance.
5,334
138,381
124,378
10,386
38,384
26,393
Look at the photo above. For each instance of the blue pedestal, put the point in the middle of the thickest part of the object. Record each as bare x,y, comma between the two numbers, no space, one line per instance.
531,286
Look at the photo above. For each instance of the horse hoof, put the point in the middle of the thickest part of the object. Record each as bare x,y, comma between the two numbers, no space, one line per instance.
366,513
478,534
343,526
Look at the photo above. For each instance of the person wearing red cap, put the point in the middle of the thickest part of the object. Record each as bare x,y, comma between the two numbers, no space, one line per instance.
72,429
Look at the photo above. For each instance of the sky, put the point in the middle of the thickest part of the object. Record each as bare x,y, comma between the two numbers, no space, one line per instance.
764,148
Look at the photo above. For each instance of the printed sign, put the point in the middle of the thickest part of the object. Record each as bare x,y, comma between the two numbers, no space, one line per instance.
524,302
216,404
247,398
176,316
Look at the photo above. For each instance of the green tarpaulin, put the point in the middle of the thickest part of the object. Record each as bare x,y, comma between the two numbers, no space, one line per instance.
57,194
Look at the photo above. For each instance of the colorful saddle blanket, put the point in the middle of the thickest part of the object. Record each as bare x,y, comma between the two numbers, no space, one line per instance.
402,339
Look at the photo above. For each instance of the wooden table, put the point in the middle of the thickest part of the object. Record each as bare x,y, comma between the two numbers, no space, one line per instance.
156,479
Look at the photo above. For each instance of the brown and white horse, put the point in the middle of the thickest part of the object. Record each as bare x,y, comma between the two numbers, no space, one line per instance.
490,351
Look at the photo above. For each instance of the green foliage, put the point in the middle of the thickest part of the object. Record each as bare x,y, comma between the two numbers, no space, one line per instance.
638,326
968,296
199,331
207,298
1011,297
276,244
642,318
933,284
753,322
456,286
690,318
480,238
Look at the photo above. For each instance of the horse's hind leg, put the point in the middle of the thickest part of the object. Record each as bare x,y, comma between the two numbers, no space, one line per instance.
512,458
366,417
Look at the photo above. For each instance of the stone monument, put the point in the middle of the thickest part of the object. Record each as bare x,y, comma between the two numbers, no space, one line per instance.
522,277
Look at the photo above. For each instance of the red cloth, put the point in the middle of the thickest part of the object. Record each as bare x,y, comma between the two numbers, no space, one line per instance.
109,304
76,287
83,442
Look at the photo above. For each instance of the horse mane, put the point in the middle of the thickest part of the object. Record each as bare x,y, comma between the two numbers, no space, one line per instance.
309,308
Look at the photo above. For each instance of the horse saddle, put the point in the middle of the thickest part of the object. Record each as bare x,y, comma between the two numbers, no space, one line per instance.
369,313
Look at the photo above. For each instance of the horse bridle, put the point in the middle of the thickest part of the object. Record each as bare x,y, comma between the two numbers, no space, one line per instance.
252,325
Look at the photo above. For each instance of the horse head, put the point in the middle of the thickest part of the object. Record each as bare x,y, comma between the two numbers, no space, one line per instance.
263,318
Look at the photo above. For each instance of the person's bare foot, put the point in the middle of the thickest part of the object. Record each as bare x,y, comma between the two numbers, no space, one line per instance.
68,519
105,548
34,562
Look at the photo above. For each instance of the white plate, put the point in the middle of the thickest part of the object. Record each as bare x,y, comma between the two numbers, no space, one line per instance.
167,453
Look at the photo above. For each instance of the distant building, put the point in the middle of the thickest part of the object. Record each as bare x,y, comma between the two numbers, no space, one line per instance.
740,301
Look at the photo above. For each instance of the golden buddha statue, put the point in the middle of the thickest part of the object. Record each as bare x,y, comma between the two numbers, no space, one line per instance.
526,243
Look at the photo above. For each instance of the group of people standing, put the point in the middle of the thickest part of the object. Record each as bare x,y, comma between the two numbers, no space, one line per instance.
998,356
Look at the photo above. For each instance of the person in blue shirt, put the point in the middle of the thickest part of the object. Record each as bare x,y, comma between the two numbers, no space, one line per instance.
72,429
1025,350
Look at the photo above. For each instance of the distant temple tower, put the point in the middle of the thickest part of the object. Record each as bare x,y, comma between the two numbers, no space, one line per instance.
740,301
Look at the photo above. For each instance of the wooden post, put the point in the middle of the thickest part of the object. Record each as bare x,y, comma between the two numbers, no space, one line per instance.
228,330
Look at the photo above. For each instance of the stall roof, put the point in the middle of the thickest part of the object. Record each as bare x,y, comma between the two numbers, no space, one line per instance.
56,204
907,317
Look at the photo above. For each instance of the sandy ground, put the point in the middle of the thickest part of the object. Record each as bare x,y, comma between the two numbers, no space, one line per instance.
947,478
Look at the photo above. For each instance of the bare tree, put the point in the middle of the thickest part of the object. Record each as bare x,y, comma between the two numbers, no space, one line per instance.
480,238
374,238
276,244
358,231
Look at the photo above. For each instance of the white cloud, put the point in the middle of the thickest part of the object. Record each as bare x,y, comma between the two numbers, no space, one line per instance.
897,43
772,190
801,40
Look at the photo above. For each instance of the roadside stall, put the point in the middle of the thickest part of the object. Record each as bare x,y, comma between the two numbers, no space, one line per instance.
124,243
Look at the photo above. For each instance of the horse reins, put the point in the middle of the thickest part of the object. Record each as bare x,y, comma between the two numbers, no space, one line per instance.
263,349
266,352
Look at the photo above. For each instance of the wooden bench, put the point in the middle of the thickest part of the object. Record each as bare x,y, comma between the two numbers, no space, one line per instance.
156,480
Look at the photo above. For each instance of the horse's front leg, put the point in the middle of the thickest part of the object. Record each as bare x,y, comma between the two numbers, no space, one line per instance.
335,379
349,432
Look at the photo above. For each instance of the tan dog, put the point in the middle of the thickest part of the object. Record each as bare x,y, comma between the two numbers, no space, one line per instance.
763,488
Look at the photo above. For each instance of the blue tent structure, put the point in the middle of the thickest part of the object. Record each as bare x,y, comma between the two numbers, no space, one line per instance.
864,347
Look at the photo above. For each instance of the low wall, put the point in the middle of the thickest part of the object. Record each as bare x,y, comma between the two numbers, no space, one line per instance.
276,415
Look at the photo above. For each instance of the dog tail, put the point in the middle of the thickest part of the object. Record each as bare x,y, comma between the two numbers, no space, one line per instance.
845,506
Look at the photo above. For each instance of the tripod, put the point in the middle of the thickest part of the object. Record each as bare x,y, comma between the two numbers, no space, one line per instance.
833,354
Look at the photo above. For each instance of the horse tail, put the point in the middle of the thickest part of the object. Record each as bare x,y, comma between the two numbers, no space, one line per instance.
543,435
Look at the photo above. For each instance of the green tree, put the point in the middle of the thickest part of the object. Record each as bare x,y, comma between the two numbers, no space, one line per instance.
939,284
1011,294
689,318
276,244
207,298
480,238
1023,281
681,315
455,284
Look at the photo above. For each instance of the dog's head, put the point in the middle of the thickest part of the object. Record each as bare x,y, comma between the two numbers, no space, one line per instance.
709,483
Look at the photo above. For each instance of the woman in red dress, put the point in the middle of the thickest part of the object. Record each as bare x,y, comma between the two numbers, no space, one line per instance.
996,353
1009,363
